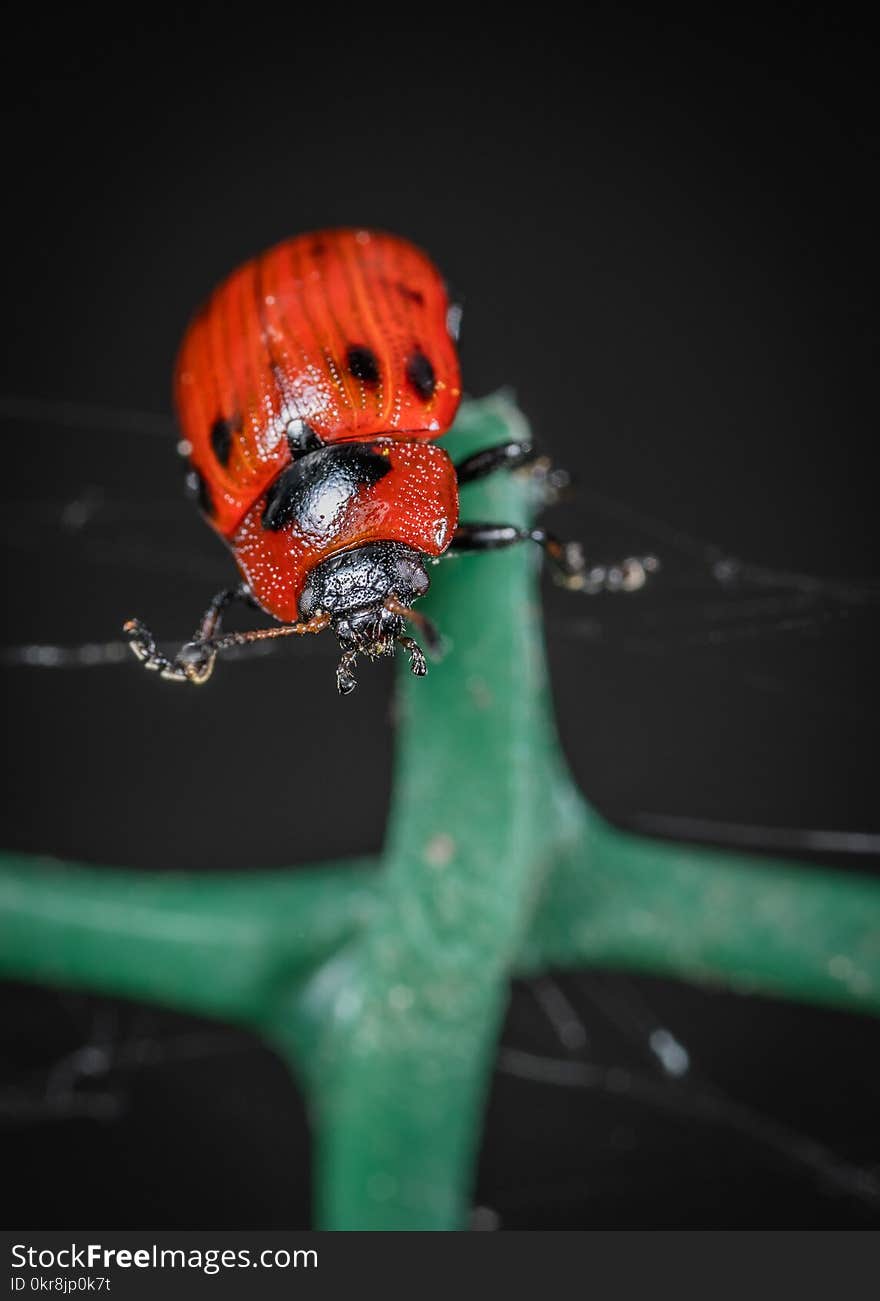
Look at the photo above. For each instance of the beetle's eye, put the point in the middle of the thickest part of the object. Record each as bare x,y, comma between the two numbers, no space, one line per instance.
413,575
307,601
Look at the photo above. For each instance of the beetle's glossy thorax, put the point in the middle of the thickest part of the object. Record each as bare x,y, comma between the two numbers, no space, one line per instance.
339,497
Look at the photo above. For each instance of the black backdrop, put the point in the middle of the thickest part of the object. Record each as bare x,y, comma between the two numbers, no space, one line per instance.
665,240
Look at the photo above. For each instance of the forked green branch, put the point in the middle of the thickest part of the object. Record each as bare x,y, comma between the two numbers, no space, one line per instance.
383,983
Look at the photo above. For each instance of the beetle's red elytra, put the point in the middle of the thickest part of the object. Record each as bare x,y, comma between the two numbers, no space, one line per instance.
311,389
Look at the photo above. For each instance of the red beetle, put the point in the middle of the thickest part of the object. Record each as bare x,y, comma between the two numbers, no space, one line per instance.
310,389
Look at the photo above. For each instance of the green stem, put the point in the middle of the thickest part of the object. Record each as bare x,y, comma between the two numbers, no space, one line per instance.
755,924
216,945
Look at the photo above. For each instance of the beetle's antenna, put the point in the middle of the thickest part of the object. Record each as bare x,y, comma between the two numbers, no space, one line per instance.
316,624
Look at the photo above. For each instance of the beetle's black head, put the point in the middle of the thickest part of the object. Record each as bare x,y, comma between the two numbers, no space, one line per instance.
367,592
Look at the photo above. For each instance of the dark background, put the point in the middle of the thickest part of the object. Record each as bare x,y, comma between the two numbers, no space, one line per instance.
664,236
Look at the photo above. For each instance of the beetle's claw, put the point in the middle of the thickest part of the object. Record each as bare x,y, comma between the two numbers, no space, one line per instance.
143,645
629,575
193,663
196,661
571,566
553,483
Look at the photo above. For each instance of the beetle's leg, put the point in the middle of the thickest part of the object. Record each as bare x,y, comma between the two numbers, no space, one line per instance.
194,662
213,616
513,456
417,664
567,558
502,456
345,679
428,629
143,645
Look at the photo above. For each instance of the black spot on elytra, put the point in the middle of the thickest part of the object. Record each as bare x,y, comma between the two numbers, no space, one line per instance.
197,490
362,363
313,490
318,249
420,374
411,295
221,439
301,438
